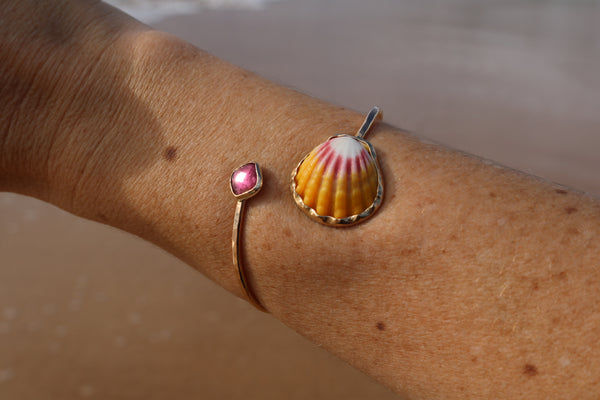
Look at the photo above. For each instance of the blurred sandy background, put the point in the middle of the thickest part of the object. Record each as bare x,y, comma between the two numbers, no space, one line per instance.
90,312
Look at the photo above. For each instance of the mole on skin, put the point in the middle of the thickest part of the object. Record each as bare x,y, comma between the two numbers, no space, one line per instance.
170,153
570,210
530,370
380,326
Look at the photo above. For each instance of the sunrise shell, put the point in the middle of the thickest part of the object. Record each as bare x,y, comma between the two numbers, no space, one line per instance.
339,181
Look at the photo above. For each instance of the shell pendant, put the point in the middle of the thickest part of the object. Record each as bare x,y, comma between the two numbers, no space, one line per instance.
339,182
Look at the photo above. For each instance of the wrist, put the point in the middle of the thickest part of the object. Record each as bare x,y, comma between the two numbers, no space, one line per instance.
52,54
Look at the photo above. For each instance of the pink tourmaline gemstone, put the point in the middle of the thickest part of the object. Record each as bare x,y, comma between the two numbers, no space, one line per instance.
244,179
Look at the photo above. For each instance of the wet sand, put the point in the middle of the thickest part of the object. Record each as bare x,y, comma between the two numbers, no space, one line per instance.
90,312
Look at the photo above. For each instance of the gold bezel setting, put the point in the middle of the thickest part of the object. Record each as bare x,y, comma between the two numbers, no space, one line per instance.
251,191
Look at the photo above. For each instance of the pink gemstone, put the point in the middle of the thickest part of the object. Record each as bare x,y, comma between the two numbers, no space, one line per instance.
244,179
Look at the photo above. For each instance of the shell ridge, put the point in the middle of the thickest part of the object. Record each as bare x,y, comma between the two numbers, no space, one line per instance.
310,162
322,201
302,173
334,193
325,147
314,178
373,179
313,182
366,188
349,188
356,187
339,210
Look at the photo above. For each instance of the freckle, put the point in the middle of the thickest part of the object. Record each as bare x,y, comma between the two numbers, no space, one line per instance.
287,232
102,217
570,210
170,153
535,285
573,231
561,191
492,194
561,275
266,247
474,359
380,325
530,370
408,252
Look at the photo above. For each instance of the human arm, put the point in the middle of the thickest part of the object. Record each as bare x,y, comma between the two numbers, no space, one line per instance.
301,124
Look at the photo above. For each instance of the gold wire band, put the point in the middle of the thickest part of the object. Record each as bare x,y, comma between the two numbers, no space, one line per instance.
245,182
237,254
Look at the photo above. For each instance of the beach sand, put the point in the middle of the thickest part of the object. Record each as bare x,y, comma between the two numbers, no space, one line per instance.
87,311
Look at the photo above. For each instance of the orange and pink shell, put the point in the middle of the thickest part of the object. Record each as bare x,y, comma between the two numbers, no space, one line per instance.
339,181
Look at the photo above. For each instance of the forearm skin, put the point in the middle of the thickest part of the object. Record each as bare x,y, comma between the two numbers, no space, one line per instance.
471,281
